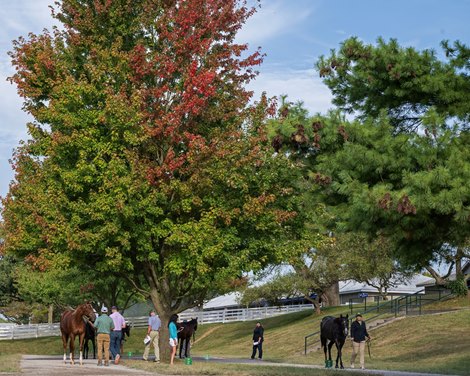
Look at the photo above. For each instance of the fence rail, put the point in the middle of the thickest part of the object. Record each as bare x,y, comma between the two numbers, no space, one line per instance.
28,331
402,305
204,317
230,315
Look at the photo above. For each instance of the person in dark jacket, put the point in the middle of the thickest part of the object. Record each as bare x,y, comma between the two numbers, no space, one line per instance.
358,336
258,338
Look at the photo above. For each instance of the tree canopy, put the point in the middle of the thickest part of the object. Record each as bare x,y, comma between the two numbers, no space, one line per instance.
366,79
145,159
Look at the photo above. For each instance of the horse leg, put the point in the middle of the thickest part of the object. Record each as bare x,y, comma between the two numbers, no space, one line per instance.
340,351
81,340
65,339
323,344
188,347
86,348
183,347
330,345
72,347
93,341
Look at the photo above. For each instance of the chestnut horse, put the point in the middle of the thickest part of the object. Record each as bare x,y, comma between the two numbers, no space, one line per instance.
73,323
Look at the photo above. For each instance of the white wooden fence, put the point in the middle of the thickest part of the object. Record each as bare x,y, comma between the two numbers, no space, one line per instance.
204,317
229,315
28,331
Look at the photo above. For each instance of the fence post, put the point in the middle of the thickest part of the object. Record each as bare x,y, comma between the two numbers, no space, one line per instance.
305,351
420,303
37,331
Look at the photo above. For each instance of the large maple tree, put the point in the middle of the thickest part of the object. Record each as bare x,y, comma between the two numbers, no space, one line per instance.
145,158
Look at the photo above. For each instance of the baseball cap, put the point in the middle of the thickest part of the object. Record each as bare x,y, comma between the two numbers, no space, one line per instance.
104,309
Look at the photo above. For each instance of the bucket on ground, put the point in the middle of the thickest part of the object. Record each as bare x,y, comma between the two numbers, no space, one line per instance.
188,361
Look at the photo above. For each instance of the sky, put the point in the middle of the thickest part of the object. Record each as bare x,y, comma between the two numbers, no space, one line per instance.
292,33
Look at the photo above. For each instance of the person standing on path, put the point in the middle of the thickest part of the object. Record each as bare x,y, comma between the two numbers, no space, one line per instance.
104,325
358,336
258,337
116,334
173,336
153,331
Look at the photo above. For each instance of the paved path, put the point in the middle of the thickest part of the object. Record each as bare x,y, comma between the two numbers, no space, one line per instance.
37,365
313,366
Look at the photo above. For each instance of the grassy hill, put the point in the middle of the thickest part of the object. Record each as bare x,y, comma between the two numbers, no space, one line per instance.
430,343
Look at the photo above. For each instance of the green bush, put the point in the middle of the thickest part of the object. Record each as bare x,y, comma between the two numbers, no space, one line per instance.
458,287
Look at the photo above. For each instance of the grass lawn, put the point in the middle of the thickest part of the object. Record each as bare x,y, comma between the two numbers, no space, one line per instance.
10,362
235,369
454,303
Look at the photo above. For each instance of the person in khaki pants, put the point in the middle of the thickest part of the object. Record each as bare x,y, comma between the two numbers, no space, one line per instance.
103,324
153,331
358,336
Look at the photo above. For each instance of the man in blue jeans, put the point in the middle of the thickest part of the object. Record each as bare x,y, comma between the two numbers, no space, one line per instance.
116,334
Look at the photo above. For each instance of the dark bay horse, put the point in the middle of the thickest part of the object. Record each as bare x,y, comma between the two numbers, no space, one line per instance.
125,332
335,330
186,330
72,324
90,335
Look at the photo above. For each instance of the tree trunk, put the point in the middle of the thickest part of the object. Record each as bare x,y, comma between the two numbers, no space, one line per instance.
164,337
458,263
315,302
331,295
50,314
439,280
164,315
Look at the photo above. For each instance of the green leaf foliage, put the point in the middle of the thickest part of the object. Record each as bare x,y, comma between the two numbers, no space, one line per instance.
145,161
366,79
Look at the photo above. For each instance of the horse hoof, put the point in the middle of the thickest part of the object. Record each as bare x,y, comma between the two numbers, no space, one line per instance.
342,367
336,366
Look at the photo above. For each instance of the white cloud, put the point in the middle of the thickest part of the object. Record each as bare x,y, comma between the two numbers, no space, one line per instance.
275,17
18,18
303,85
